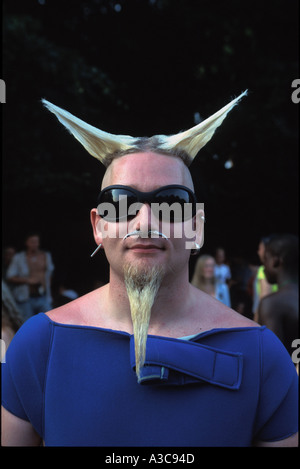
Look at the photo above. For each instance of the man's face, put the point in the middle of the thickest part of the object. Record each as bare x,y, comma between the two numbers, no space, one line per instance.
261,251
33,243
270,270
144,172
209,269
220,256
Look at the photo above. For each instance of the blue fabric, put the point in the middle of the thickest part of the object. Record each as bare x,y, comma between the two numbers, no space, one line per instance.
77,386
215,367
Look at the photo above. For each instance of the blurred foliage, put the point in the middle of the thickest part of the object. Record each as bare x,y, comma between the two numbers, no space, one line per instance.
143,67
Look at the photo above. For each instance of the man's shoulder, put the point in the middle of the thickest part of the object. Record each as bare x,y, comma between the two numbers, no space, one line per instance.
69,313
19,256
267,301
230,318
218,315
276,301
79,311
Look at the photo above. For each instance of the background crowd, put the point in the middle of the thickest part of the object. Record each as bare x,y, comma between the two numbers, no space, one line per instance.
266,292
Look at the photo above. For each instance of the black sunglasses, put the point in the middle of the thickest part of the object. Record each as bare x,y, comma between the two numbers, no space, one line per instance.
173,203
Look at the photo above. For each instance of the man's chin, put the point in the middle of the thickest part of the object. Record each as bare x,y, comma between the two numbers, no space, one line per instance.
147,259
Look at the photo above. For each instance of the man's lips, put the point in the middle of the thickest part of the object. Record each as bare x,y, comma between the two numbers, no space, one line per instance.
145,247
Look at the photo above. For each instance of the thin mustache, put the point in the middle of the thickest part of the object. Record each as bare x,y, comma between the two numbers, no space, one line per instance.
145,234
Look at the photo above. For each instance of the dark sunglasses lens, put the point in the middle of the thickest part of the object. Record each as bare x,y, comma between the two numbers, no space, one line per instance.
170,204
114,203
174,205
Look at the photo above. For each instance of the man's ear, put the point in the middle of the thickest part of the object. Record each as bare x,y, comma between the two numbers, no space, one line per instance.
199,227
96,224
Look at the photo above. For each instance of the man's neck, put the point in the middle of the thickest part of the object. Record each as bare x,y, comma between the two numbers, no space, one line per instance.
171,300
286,281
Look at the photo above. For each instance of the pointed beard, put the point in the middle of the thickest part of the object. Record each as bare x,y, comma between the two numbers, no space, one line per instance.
142,286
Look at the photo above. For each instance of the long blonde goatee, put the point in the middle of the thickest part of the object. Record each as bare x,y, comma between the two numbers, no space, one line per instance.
142,287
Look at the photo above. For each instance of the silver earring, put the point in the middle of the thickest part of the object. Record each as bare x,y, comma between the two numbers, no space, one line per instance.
196,250
96,250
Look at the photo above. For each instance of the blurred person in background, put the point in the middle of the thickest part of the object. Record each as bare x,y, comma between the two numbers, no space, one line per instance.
7,255
222,269
204,278
261,286
279,311
11,318
29,277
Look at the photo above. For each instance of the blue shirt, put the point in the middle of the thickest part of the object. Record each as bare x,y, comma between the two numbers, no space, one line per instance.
77,386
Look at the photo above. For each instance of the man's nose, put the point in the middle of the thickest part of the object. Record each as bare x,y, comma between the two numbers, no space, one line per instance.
145,220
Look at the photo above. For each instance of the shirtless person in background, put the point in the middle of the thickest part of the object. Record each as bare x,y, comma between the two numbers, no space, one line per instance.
30,275
279,311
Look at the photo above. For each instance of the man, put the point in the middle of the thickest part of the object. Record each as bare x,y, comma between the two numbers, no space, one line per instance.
147,360
279,311
29,275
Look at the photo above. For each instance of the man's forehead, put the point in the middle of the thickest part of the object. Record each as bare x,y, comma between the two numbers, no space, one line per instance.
146,168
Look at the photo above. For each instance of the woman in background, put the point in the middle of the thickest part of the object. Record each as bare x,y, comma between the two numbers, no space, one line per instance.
204,279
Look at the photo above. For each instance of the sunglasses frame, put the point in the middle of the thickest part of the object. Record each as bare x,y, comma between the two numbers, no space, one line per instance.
146,197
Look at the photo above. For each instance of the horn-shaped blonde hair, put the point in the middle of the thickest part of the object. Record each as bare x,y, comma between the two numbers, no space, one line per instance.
105,146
